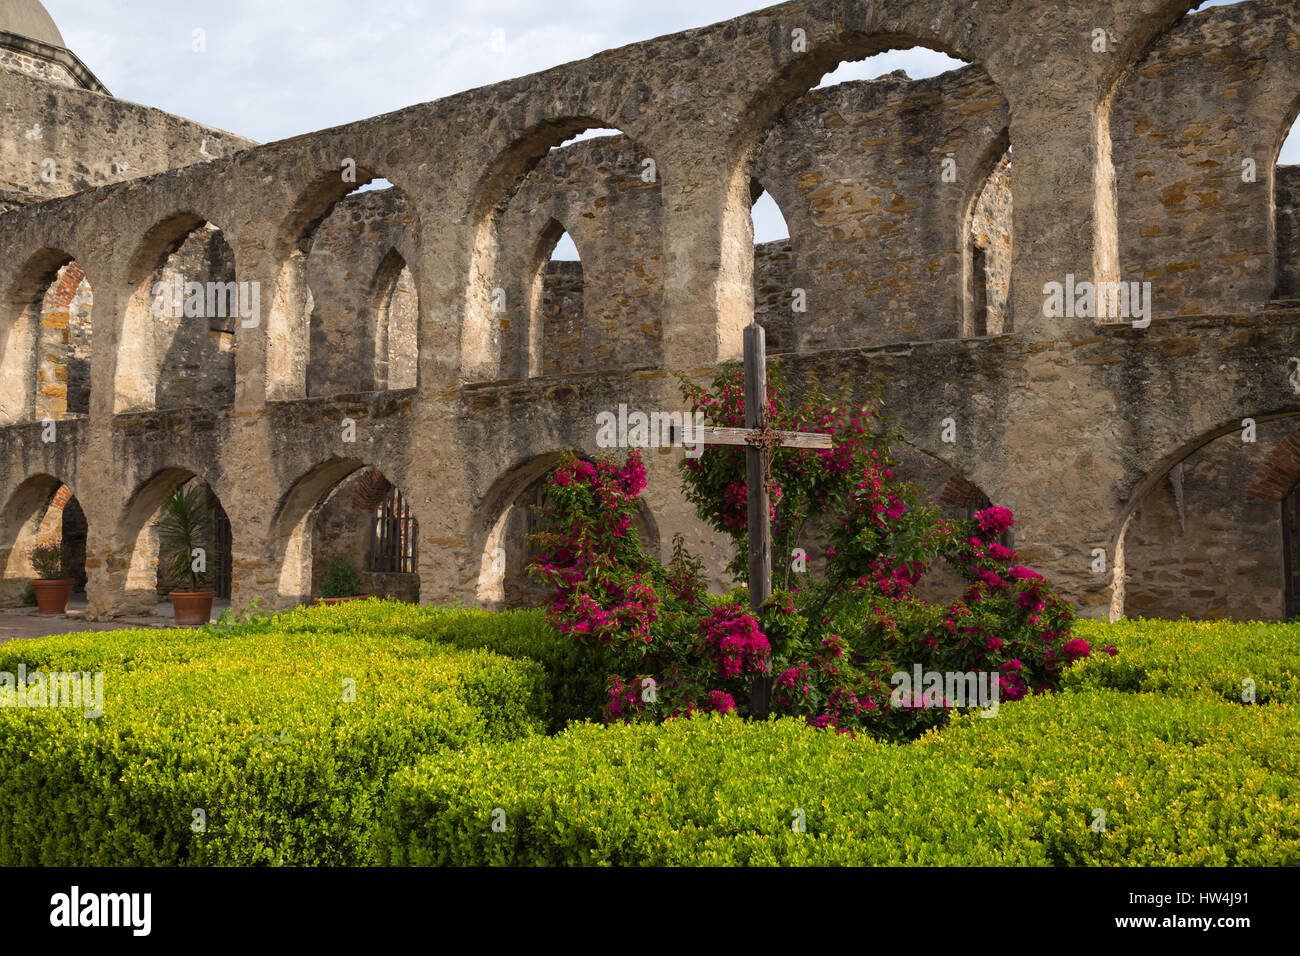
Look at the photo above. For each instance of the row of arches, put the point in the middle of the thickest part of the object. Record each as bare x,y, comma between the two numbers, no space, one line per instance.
335,299
1212,532
342,510
177,343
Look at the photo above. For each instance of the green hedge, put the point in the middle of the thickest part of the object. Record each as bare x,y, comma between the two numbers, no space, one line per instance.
575,673
252,729
1192,658
1181,781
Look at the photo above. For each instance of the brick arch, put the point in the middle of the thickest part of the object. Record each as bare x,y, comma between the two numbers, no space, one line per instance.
20,328
1278,476
134,555
24,523
290,543
487,531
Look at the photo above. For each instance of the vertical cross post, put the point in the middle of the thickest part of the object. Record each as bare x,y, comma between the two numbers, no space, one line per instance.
760,540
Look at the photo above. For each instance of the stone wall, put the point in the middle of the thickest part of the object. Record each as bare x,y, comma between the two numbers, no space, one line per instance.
63,372
990,278
92,140
1200,545
193,352
773,303
1288,232
858,171
364,305
38,67
594,190
1195,130
1071,423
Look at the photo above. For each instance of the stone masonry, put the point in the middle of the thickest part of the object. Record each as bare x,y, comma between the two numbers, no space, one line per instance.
423,333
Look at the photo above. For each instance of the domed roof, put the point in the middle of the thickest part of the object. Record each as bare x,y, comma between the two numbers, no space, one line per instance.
29,18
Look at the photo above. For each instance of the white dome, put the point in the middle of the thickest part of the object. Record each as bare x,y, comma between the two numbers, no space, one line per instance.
29,18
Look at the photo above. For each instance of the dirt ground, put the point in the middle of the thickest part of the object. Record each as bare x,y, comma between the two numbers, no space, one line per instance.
26,622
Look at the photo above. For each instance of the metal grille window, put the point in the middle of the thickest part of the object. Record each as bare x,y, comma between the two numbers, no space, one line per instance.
392,541
222,542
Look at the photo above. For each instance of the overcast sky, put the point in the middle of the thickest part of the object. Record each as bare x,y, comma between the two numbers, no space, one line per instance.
278,68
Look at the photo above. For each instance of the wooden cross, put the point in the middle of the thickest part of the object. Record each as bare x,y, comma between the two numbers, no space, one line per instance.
759,442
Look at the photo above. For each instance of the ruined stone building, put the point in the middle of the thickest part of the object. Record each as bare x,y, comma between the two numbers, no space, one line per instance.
390,373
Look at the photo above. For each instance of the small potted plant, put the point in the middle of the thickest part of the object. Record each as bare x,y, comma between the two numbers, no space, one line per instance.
53,583
183,552
341,582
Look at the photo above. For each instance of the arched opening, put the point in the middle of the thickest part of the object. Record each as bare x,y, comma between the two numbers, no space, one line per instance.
45,372
988,254
773,269
63,349
508,515
178,335
348,287
1286,204
1207,535
41,511
879,161
397,325
556,310
148,582
346,515
604,189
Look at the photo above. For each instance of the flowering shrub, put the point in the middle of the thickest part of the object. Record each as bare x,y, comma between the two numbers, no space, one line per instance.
830,644
651,617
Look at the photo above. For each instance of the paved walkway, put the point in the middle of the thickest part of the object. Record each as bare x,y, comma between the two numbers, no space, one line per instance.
26,622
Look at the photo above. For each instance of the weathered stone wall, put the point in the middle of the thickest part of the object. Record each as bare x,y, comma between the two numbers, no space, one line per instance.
1288,232
92,139
990,278
42,69
63,373
561,316
875,229
1070,423
1200,545
1209,102
596,190
773,303
193,352
356,275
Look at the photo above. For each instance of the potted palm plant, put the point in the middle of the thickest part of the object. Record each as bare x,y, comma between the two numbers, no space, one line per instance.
53,583
183,530
342,582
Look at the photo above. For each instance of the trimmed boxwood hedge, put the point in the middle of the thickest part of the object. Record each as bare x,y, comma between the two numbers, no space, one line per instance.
1181,782
575,673
249,724
252,729
1192,658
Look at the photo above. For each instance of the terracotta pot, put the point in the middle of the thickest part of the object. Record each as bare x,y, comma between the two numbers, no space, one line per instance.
192,607
342,600
52,596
